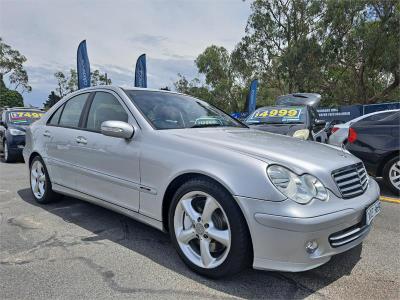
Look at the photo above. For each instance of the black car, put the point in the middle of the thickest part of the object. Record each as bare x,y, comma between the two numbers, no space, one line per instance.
377,144
13,124
294,115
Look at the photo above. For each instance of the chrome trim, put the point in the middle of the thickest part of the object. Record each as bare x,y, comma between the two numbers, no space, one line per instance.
351,180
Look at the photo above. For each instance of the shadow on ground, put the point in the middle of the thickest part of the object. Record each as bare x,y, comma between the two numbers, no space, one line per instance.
149,242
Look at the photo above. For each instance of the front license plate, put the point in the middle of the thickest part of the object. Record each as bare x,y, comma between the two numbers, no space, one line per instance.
372,211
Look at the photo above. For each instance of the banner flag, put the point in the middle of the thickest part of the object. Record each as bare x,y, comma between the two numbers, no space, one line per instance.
140,72
252,98
83,66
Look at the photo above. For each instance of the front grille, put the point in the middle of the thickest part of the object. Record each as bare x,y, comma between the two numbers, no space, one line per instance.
348,235
352,180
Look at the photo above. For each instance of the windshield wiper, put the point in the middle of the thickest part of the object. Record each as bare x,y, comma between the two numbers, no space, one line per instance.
206,125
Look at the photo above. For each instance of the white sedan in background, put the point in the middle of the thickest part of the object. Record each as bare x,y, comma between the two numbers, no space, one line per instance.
340,131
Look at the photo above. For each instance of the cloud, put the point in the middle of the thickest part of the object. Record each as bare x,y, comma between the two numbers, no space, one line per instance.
148,40
171,33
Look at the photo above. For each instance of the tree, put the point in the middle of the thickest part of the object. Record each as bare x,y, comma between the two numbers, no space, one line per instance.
331,47
10,98
69,83
224,85
11,65
99,79
51,100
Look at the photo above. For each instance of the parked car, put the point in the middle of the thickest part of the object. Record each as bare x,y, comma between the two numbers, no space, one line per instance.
13,124
228,195
340,131
377,144
294,115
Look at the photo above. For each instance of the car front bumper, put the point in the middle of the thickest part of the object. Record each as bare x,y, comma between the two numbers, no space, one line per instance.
16,143
280,236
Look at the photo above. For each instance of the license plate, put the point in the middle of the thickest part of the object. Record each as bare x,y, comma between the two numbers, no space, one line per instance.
372,211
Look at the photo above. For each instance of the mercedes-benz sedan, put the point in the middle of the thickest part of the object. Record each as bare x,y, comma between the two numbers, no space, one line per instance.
228,195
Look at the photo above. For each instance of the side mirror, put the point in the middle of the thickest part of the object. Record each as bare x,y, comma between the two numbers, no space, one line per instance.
117,129
2,123
319,122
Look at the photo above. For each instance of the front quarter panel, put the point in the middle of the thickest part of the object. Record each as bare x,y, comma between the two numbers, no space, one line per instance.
164,157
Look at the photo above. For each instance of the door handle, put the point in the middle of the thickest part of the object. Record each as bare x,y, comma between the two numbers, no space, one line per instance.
81,140
47,133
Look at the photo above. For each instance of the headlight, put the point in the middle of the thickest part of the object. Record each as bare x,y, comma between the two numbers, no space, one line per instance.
302,134
14,131
301,189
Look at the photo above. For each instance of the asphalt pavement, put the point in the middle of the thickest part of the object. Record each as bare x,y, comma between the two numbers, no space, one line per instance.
71,249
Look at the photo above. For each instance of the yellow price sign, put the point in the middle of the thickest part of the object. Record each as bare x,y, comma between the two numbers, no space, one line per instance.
287,113
23,115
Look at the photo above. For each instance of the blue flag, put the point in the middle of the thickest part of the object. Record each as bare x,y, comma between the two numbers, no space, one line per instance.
83,66
252,96
141,72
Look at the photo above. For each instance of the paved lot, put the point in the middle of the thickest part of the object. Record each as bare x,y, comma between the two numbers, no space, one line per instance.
72,249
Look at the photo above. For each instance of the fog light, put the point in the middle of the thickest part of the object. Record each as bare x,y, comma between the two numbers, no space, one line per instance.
311,246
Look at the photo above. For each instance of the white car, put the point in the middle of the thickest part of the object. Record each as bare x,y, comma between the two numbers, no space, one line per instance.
341,131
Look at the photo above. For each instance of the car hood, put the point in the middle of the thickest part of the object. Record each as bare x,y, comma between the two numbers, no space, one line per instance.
300,155
285,129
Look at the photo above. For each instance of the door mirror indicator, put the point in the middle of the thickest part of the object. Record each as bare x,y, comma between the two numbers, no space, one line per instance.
117,129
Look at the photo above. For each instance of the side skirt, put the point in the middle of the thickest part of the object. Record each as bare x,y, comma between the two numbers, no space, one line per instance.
119,209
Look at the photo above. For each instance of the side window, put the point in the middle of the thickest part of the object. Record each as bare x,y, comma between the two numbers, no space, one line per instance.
105,107
56,116
72,111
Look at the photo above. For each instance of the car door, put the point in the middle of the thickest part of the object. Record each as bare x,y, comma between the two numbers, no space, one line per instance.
60,142
109,166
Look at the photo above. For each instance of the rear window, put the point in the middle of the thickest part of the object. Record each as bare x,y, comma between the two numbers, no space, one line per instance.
377,117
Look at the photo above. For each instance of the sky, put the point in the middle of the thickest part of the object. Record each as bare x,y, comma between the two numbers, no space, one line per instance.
171,33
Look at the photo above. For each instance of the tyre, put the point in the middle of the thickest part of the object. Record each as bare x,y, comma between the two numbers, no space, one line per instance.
208,229
40,182
391,174
9,156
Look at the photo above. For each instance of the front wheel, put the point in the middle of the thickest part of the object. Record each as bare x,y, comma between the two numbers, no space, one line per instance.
9,156
208,229
40,182
391,174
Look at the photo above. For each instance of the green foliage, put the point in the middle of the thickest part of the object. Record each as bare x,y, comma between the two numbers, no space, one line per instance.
69,83
348,51
11,65
9,97
51,100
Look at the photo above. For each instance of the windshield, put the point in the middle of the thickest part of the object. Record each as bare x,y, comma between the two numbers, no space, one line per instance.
24,117
175,111
278,115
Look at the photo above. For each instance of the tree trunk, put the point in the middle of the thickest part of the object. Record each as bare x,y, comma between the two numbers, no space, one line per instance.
388,90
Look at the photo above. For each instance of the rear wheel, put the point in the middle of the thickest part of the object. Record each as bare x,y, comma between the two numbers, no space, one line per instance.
208,229
391,173
40,182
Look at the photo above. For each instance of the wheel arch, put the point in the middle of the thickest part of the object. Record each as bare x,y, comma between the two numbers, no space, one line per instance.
177,182
32,156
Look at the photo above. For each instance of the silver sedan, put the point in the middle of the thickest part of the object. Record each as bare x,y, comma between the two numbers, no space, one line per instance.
228,195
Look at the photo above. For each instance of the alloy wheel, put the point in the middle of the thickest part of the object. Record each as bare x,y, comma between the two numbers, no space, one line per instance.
202,229
394,175
38,179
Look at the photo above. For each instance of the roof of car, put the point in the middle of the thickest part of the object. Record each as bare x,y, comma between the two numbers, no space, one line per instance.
116,88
